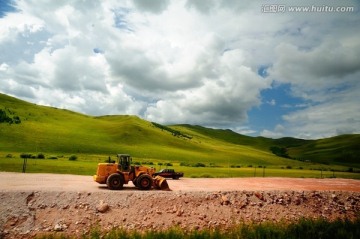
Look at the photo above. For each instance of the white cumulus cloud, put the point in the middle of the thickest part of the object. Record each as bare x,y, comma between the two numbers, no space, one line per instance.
195,62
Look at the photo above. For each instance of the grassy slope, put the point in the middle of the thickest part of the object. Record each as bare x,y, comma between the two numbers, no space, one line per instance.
51,130
57,131
232,137
343,150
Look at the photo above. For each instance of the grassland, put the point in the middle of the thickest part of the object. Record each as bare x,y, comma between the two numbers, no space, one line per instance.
86,165
59,133
305,228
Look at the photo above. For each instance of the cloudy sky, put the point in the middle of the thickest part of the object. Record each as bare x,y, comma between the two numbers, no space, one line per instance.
257,67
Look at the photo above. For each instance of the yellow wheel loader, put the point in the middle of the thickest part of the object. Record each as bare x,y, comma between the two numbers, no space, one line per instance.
116,174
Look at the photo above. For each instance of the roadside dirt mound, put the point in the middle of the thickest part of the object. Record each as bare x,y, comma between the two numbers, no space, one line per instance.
36,204
26,214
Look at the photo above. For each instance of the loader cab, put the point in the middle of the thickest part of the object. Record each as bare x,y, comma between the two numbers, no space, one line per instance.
124,162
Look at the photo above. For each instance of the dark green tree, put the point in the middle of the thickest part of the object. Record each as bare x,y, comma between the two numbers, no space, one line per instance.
279,151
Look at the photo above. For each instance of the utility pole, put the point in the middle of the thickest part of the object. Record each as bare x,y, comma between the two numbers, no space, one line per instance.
24,164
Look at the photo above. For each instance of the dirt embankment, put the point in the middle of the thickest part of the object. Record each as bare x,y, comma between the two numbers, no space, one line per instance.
34,204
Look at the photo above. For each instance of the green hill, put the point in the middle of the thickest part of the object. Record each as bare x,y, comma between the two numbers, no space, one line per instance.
51,130
343,150
57,131
230,136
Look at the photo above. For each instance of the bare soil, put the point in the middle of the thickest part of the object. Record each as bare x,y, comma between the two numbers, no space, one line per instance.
37,204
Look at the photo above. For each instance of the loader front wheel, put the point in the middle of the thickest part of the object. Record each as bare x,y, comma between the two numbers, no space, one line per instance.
115,182
135,182
144,182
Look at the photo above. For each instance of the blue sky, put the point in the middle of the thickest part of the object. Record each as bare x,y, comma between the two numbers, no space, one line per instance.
276,102
5,7
221,64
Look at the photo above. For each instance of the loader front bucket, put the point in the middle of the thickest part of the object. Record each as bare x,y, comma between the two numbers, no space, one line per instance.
161,183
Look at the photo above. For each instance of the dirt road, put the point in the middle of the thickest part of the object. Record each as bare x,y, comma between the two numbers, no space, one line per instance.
58,182
37,204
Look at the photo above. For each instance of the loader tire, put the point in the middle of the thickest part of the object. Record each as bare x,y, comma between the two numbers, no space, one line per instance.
115,181
135,182
144,182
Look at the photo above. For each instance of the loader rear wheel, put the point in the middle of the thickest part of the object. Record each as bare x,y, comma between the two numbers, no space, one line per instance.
144,182
115,181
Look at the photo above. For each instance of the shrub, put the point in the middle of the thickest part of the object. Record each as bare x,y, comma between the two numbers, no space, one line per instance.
40,156
160,164
9,156
25,155
52,157
6,119
279,151
288,167
199,165
17,120
73,157
168,164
